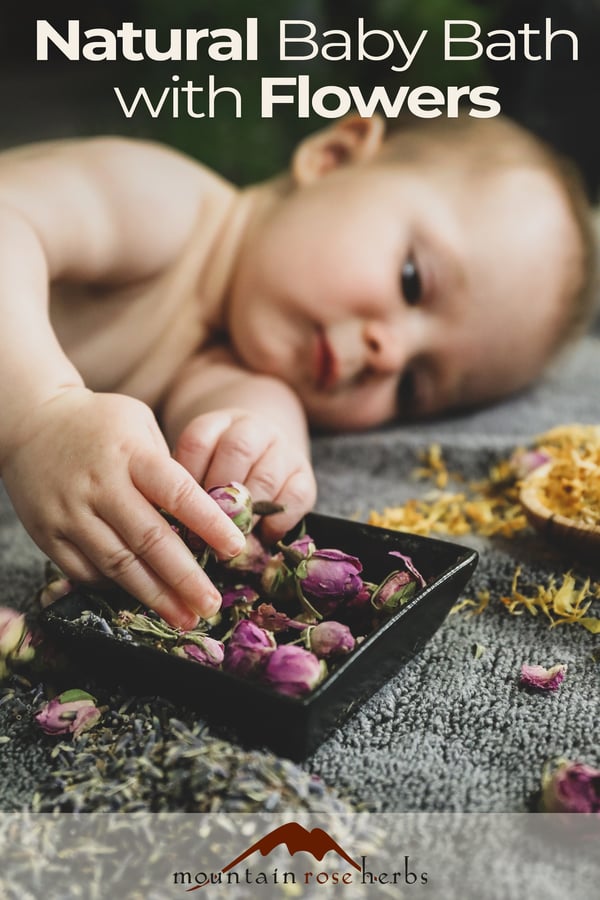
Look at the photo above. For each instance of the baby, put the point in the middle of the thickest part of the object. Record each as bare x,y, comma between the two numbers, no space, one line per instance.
381,277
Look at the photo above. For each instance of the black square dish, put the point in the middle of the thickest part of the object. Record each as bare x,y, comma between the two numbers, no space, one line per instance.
256,714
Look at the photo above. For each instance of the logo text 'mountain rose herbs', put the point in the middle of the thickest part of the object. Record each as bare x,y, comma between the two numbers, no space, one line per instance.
296,838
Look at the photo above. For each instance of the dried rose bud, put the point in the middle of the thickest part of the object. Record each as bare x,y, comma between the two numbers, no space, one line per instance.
266,616
253,557
247,648
523,462
304,545
207,652
571,788
53,591
330,639
72,712
544,679
277,580
293,671
238,594
235,500
328,578
12,631
407,560
394,591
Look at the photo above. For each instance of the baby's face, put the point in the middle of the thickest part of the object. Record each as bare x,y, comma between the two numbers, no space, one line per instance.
383,290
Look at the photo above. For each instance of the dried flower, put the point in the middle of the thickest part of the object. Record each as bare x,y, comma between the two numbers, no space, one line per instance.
293,671
12,630
277,580
304,545
326,579
238,594
544,679
235,500
330,639
571,788
394,591
524,462
407,560
72,712
15,639
266,616
247,648
253,557
207,652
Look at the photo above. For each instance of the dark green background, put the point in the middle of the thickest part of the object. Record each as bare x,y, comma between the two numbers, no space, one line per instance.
59,98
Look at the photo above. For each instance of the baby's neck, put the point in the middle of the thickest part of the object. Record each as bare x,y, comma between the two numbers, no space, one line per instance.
244,209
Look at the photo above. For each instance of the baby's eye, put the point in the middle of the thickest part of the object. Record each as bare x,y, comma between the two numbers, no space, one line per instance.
411,282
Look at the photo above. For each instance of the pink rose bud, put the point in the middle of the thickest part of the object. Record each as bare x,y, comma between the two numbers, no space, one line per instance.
328,578
544,679
330,639
293,671
304,545
277,581
571,788
72,712
407,560
235,500
394,591
207,652
247,649
523,462
266,616
253,557
238,594
12,631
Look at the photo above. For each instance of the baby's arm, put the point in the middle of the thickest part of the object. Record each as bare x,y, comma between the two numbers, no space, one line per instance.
86,471
227,423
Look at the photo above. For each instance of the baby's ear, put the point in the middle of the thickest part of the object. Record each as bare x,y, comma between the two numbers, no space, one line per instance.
350,140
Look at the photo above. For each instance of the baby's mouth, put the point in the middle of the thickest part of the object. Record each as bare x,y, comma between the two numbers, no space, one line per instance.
326,365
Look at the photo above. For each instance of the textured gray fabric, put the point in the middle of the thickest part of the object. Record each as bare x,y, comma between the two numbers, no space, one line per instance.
449,732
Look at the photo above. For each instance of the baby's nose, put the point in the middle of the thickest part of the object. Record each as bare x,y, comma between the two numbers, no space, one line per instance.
385,353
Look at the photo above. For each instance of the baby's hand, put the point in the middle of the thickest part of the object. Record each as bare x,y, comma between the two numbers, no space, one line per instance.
86,475
237,445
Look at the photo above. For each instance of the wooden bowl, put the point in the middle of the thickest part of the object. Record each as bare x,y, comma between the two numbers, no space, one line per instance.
569,534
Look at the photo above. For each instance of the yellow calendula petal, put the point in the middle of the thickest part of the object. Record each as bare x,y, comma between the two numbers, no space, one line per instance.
592,624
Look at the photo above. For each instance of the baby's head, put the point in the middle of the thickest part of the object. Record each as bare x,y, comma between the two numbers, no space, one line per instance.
438,267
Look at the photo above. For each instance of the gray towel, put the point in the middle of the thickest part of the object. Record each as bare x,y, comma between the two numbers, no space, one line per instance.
449,732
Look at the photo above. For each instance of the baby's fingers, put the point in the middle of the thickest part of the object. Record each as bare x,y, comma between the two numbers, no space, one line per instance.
147,559
171,487
297,496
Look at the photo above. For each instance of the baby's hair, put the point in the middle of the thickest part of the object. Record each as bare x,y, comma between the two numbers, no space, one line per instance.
491,145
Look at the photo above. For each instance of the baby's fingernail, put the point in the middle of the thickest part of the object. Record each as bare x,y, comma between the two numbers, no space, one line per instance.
212,605
236,545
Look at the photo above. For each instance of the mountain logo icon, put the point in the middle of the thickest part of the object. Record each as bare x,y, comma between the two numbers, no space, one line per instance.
296,838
